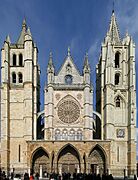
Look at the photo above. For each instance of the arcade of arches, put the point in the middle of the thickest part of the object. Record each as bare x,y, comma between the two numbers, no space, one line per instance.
68,157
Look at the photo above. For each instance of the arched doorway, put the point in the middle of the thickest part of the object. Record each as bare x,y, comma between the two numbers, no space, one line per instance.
68,160
97,160
40,162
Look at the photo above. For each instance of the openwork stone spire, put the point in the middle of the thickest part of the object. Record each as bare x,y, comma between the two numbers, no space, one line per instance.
113,32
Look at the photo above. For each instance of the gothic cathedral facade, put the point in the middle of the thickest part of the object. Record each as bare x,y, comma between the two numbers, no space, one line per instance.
68,135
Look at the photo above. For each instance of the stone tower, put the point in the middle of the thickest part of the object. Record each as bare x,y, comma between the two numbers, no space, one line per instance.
19,99
116,97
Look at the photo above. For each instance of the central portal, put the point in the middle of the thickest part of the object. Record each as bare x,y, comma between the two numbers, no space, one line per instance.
68,160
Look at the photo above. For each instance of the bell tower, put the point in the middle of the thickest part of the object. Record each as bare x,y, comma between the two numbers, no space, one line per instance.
116,96
19,99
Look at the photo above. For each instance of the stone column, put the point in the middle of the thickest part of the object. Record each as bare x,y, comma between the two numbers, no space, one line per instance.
78,169
41,171
60,169
97,169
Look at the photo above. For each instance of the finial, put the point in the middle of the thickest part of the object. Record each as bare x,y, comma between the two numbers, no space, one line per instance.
68,51
126,32
113,6
24,23
86,55
50,55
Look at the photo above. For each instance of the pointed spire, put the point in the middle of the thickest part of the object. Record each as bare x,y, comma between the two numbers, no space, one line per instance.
113,30
8,39
23,32
68,51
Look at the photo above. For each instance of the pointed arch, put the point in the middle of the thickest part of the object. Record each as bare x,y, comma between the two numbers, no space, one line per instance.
68,159
119,97
40,157
68,148
38,149
99,148
97,159
68,97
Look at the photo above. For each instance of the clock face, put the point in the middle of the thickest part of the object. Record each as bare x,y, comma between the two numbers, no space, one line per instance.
68,111
120,133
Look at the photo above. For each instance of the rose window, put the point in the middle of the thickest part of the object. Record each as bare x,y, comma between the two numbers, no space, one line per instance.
68,111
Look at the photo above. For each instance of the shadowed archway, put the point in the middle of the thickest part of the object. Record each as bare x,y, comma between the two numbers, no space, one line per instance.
68,160
97,160
40,159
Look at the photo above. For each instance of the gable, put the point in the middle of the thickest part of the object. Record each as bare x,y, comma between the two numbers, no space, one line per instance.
68,69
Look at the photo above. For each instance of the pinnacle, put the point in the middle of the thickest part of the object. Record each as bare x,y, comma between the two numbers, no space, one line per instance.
24,23
29,32
68,51
8,39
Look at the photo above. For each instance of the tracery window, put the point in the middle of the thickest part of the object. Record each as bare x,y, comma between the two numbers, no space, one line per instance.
14,60
72,134
57,134
13,77
118,101
65,134
79,134
68,111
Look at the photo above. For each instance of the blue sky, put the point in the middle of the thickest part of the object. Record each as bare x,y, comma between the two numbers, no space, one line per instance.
57,24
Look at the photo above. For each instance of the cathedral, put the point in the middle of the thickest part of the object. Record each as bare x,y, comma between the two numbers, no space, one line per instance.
69,135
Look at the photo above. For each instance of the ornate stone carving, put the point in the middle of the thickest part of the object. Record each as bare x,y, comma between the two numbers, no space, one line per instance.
57,96
68,111
79,96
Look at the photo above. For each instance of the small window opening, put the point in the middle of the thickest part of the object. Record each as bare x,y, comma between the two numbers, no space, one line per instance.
117,102
20,78
19,153
117,77
13,78
20,60
117,60
117,154
14,59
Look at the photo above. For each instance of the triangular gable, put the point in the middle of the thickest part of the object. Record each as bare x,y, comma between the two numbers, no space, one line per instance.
68,60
